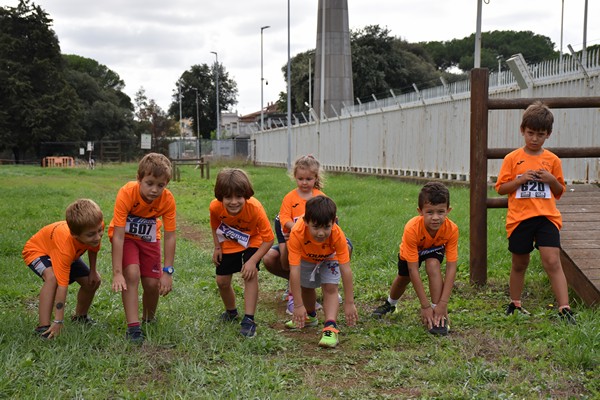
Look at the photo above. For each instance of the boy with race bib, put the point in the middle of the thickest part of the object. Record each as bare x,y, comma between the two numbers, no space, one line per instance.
242,235
532,178
142,207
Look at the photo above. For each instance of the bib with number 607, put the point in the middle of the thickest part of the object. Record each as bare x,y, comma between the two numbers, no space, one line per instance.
533,190
144,228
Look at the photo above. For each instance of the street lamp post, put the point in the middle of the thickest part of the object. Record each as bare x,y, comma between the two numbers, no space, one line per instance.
262,79
198,148
217,100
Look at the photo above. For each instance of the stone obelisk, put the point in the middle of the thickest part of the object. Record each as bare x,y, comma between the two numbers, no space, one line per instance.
333,59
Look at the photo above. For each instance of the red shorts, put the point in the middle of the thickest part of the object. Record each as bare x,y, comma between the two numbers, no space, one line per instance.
145,254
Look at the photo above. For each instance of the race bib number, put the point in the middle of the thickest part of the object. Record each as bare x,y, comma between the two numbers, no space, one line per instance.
225,232
533,190
144,228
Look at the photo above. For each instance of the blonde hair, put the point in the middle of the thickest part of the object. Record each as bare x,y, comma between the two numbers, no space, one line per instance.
310,163
154,164
83,214
233,182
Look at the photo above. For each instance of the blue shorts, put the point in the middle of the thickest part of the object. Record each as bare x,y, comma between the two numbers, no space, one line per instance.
278,231
438,253
79,269
313,275
538,230
233,262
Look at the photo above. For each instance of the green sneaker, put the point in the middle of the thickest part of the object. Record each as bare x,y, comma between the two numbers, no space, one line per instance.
329,338
308,322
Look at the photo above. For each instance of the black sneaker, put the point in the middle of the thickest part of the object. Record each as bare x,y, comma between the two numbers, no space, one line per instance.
229,317
441,329
383,309
83,319
511,308
568,316
135,335
40,331
248,328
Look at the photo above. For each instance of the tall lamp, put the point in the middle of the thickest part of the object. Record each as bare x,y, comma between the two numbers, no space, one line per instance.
217,101
262,79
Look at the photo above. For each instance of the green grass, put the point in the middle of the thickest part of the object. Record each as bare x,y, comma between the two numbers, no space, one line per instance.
189,354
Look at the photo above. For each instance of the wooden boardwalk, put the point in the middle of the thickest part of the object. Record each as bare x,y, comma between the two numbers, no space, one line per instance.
580,240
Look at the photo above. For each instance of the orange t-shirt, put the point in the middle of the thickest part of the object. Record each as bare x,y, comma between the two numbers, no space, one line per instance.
140,219
55,241
293,207
416,239
302,246
532,199
250,228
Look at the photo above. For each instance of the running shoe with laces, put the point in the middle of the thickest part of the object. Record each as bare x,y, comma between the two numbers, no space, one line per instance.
330,337
229,317
248,328
383,309
40,331
568,316
135,335
441,329
308,322
83,319
511,308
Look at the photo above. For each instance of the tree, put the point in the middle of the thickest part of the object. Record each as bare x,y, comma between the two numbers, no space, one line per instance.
35,100
199,81
105,111
150,118
459,52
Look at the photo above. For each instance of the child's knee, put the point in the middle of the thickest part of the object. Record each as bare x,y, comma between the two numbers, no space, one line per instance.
223,282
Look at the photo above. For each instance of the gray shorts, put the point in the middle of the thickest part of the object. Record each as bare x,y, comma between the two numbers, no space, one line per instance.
313,275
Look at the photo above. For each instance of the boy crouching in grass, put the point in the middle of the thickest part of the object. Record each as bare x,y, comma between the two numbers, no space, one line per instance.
54,254
318,255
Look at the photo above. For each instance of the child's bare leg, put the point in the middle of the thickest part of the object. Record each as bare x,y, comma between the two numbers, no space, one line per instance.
250,295
309,298
551,262
85,295
331,303
399,286
434,276
517,275
130,296
149,297
47,294
226,291
272,262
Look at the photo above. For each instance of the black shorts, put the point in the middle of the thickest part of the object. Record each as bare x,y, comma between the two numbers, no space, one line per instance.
437,253
538,230
79,269
278,231
233,262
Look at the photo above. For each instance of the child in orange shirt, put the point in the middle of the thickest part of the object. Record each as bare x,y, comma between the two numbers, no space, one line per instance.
318,255
533,179
141,208
54,254
427,238
308,174
242,235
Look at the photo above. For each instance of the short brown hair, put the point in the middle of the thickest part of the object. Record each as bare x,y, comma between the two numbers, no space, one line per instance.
434,193
538,117
83,214
154,164
320,210
233,182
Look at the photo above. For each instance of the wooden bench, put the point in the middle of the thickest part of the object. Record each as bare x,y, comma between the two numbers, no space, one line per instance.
200,164
60,162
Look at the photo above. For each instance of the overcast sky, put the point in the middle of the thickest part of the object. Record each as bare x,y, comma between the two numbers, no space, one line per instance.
151,43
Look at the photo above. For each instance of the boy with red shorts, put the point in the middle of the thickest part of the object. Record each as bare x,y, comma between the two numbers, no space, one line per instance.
54,254
142,207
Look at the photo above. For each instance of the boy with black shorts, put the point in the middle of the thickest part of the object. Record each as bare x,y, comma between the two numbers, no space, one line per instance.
54,254
532,178
427,238
242,235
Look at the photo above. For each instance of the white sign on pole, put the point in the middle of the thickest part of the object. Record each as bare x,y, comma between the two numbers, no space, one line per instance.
90,146
81,151
146,141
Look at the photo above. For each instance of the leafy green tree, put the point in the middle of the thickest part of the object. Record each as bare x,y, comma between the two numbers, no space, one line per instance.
200,81
105,111
494,45
35,100
150,118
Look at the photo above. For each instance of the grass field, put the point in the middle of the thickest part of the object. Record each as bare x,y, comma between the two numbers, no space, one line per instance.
189,354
